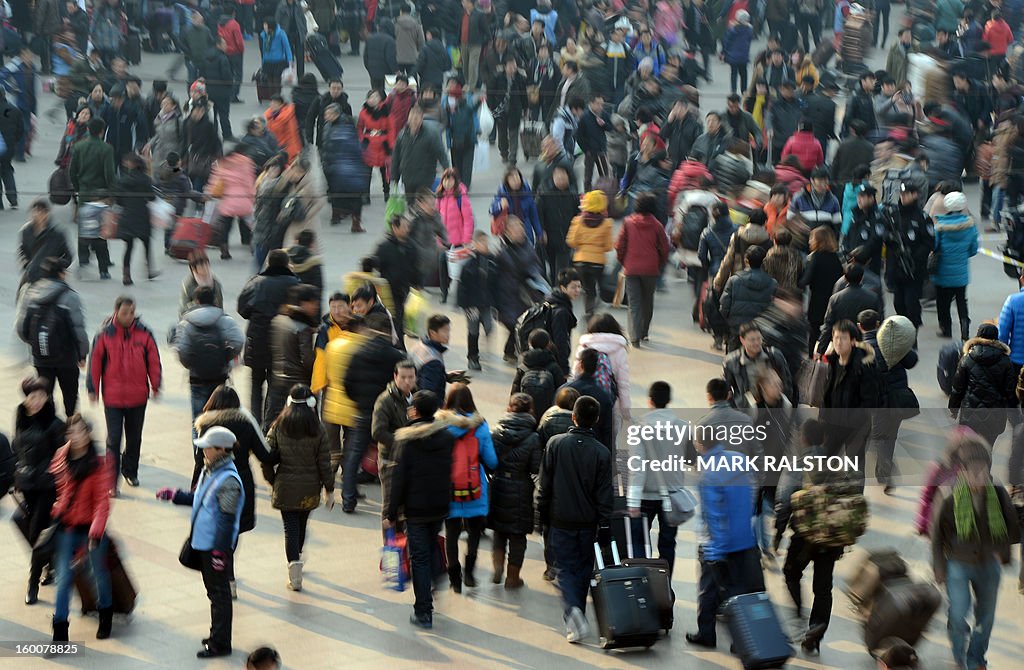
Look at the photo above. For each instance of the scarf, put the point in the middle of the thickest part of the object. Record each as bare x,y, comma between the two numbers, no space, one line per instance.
963,512
81,467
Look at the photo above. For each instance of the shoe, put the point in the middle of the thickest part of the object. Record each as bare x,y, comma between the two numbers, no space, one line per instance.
348,509
106,615
153,274
576,625
474,364
104,274
212,652
888,489
295,576
513,581
234,589
32,595
238,100
225,255
635,344
812,639
132,481
357,227
498,562
60,631
127,280
14,205
49,577
697,640
467,572
550,574
421,620
510,359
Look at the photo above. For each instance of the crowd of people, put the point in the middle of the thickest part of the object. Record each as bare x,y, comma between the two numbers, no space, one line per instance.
791,224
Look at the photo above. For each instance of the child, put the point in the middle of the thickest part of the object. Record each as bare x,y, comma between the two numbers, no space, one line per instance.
457,216
534,128
539,375
476,294
618,146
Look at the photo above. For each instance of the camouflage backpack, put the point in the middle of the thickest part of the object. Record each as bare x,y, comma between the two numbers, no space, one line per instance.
829,515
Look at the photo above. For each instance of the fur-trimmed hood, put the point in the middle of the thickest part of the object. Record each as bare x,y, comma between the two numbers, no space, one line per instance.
869,353
460,423
985,342
219,417
422,429
947,223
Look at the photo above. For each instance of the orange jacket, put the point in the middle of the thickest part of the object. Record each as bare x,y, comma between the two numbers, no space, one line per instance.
284,127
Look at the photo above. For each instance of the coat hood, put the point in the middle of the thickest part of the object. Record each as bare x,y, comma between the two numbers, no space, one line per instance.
946,223
45,290
753,234
592,219
219,417
302,259
460,423
514,427
559,299
203,316
985,351
421,430
896,337
606,343
867,356
537,358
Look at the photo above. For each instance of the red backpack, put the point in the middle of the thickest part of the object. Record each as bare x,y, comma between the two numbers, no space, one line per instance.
466,468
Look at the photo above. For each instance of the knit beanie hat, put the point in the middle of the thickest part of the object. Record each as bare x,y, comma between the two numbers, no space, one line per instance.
896,338
595,202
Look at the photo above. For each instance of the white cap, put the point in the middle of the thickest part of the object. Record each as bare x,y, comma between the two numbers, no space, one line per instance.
216,437
955,202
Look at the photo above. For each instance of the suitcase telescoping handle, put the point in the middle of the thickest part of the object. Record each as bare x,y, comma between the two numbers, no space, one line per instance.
599,555
628,523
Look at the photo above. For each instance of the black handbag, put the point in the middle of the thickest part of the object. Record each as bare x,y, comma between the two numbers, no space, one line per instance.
188,556
934,258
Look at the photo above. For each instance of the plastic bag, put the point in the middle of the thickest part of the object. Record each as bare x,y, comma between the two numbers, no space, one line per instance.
457,257
394,560
482,156
486,120
161,213
415,314
288,76
396,207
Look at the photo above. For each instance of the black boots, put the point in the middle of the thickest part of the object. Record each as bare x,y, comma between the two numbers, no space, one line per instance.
60,631
467,573
106,619
965,329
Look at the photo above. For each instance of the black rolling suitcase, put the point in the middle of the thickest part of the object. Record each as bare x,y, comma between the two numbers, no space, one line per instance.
757,636
624,605
123,592
325,61
657,571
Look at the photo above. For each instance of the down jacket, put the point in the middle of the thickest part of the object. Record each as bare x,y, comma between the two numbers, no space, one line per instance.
36,439
590,236
642,246
956,239
376,136
84,502
258,303
750,235
1011,326
458,426
291,346
457,215
746,295
519,452
68,301
616,348
238,174
250,440
298,469
124,364
984,377
855,387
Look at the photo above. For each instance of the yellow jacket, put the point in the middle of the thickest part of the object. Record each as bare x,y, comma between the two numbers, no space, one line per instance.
353,280
329,330
339,409
591,243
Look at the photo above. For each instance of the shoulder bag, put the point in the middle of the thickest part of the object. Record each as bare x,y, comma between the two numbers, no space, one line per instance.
188,556
681,503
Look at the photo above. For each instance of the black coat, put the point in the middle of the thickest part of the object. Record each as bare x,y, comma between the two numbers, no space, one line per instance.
433,62
478,286
681,135
250,442
822,270
984,377
367,380
846,304
34,249
590,135
519,451
516,262
36,439
219,78
910,237
746,295
539,359
556,210
853,387
135,190
379,55
563,322
397,263
127,130
852,153
314,119
11,126
604,430
575,482
820,110
259,302
422,480
860,107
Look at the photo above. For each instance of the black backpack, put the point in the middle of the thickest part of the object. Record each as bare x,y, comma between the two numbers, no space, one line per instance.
206,357
47,330
694,222
539,384
536,316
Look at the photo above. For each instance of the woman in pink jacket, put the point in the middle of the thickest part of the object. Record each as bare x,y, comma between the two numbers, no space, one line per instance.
605,335
456,212
232,184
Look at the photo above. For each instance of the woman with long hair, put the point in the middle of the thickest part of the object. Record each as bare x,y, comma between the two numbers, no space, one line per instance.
514,198
376,137
298,468
469,498
821,272
38,434
76,129
84,478
604,334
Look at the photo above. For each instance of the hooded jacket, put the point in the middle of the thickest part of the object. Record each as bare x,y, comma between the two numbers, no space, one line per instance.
750,235
338,408
714,244
291,347
300,469
563,322
408,39
746,295
181,337
855,386
956,240
575,481
984,377
806,148
259,302
36,439
422,480
590,235
616,349
642,246
458,426
519,452
124,364
70,305
307,266
285,128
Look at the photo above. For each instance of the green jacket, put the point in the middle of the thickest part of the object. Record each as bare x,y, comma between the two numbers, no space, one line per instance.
92,169
198,44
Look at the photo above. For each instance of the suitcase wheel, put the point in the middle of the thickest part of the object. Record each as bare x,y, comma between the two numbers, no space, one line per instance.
604,642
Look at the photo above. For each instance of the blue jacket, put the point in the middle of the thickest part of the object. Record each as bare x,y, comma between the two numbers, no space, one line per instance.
522,206
956,239
460,425
849,204
726,504
212,527
1011,326
736,44
428,357
276,48
816,210
656,54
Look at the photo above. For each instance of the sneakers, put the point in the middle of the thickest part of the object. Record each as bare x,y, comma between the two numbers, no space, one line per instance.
424,621
576,628
549,575
474,364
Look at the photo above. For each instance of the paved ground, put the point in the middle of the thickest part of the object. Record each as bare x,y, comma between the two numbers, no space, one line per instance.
344,616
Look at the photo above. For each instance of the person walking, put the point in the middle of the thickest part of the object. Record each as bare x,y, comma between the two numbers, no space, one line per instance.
473,455
220,84
290,17
822,270
51,320
971,539
956,242
134,192
422,487
590,236
418,151
299,467
92,176
207,341
39,240
217,503
124,366
575,502
291,346
390,413
984,385
642,249
233,179
276,50
12,129
519,451
83,478
38,434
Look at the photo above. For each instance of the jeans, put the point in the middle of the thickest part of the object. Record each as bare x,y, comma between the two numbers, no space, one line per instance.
475,318
801,554
260,375
131,419
737,73
69,542
944,296
68,379
590,159
763,507
590,274
333,431
516,547
652,509
574,558
356,442
508,137
474,527
277,396
88,246
906,300
199,395
961,580
640,294
7,178
422,545
733,574
218,590
294,532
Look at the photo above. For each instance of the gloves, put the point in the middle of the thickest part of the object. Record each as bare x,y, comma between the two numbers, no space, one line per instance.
218,561
166,493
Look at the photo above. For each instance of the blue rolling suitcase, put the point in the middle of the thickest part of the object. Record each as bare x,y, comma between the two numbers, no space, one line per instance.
627,614
757,635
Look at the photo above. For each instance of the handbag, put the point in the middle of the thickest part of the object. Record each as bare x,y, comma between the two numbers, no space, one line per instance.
188,556
935,258
680,505
108,223
811,380
60,186
498,223
217,190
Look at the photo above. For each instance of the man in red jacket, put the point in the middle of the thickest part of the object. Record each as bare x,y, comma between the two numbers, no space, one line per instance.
125,366
231,33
